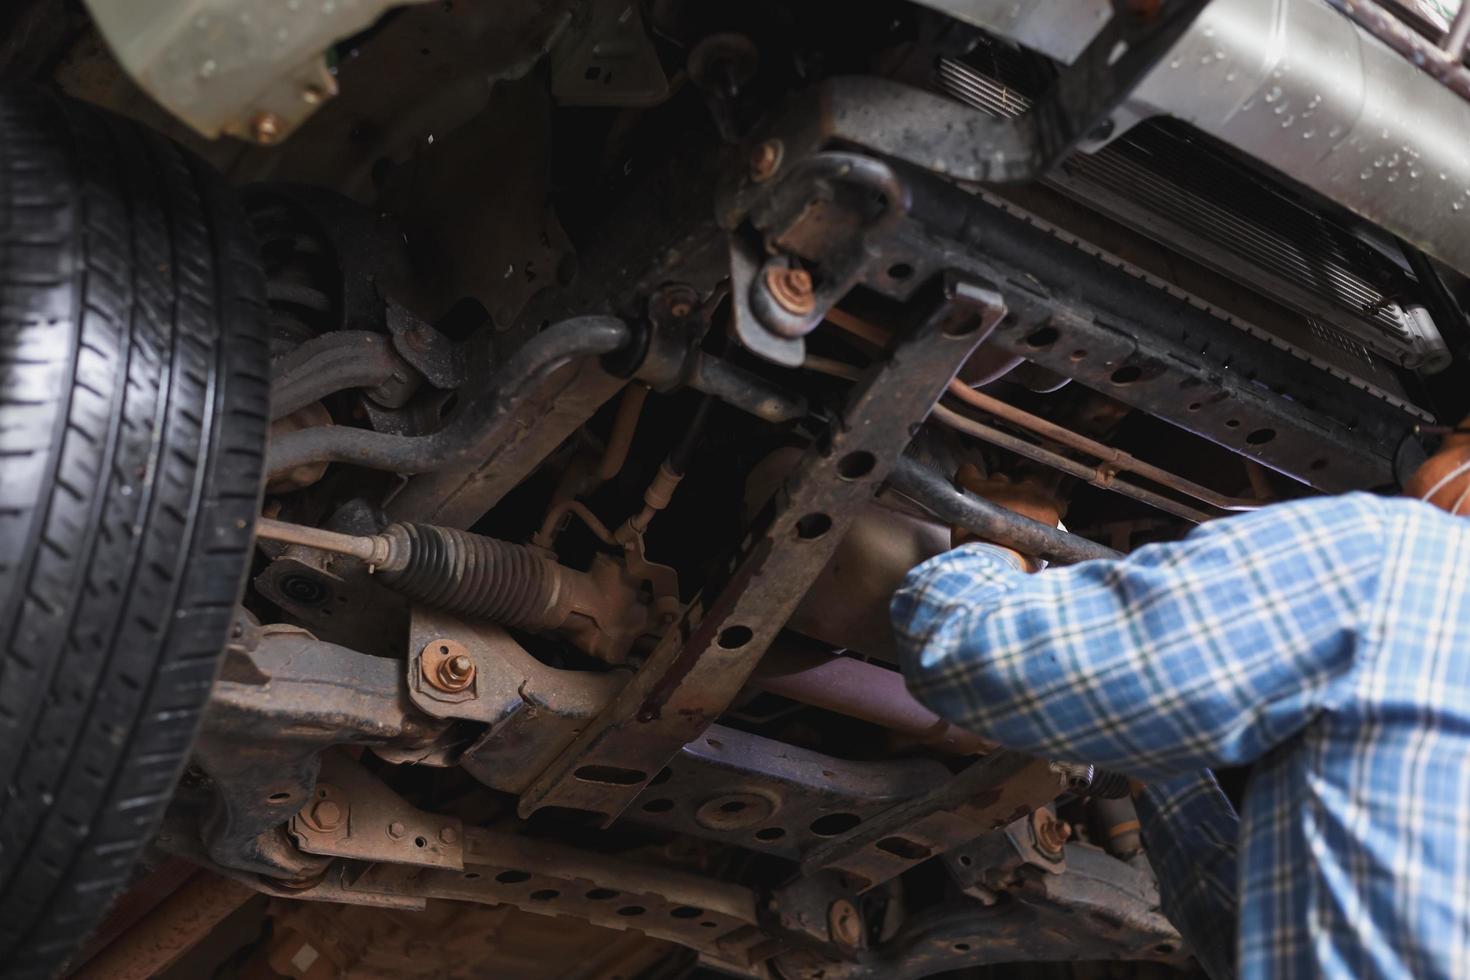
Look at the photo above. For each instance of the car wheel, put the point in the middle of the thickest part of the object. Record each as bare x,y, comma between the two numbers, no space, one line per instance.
133,411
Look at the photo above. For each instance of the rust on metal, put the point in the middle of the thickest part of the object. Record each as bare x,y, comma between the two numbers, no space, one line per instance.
792,289
531,711
699,667
447,666
991,793
846,923
600,610
773,797
1050,832
1113,460
371,549
325,813
1446,67
174,926
714,917
734,811
457,672
372,823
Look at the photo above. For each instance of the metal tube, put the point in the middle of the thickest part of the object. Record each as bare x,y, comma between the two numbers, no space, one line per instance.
171,929
546,536
991,522
1440,61
862,690
1117,460
330,363
620,439
742,389
371,549
1091,474
479,426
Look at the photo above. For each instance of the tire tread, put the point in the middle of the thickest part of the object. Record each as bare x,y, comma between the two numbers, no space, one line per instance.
132,378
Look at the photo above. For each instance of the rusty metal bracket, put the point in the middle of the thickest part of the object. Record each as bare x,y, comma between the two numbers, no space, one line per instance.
991,793
533,711
352,814
701,664
756,793
1100,909
435,356
808,196
992,863
714,917
561,404
801,216
181,834
274,710
821,910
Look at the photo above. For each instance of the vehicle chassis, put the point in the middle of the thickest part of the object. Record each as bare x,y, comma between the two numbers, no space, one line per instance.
870,183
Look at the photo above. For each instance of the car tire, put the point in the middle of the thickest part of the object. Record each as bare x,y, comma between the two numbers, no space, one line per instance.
133,409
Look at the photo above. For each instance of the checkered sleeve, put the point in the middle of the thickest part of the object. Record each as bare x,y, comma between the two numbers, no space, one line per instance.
1190,832
1199,653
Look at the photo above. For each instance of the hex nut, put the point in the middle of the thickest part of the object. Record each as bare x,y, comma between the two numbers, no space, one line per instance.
456,672
447,666
448,835
326,814
792,289
396,830
1050,833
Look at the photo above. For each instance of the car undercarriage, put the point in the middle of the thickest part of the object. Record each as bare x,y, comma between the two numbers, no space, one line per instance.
623,359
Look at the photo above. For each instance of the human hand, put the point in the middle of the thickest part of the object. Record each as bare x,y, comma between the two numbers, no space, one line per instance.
1025,497
1450,489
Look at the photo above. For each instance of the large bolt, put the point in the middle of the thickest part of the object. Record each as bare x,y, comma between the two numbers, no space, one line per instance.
765,161
792,289
447,666
845,923
455,673
396,830
1050,832
448,835
326,814
673,301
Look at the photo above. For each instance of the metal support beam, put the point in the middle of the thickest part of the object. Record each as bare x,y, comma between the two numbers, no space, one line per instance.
702,663
1002,787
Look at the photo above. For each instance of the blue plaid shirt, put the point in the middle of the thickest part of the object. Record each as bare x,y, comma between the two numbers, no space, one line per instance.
1325,643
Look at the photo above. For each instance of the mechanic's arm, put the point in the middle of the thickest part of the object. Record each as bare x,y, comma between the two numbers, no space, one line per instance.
1190,833
1200,653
